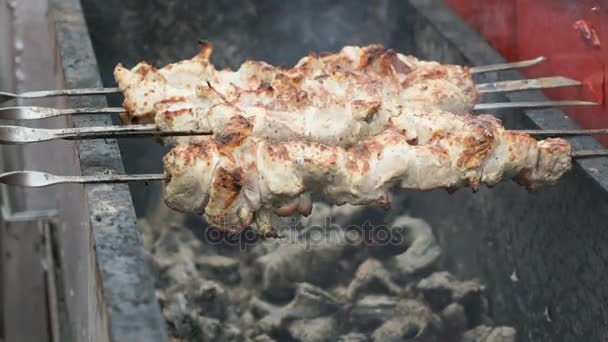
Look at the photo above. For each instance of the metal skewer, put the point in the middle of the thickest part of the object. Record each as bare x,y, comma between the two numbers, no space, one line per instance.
24,135
507,66
590,153
519,85
35,113
35,179
4,96
564,132
532,104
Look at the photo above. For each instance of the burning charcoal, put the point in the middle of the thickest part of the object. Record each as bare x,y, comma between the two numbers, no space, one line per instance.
371,311
247,320
371,277
271,325
413,321
260,308
353,337
195,328
175,306
186,324
263,317
206,298
211,327
313,259
313,330
262,338
219,267
183,326
485,333
441,288
309,302
503,334
183,271
477,334
231,333
398,330
210,299
454,319
299,270
422,251
174,256
437,289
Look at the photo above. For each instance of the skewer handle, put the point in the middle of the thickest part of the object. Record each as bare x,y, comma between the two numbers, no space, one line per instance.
529,84
36,113
35,179
4,96
26,135
532,104
508,66
564,132
590,153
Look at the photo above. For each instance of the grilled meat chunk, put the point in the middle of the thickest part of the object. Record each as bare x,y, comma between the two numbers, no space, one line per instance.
237,179
370,73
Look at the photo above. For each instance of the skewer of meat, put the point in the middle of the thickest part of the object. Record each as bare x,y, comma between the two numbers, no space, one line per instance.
448,87
404,78
340,124
236,180
338,107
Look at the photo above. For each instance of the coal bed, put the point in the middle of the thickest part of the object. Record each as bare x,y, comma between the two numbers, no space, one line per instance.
329,278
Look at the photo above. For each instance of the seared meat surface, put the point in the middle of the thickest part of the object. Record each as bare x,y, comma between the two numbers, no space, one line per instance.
236,179
370,74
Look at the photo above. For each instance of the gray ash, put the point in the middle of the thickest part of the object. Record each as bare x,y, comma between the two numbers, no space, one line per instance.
321,282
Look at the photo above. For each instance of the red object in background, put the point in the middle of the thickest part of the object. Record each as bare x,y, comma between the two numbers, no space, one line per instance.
572,34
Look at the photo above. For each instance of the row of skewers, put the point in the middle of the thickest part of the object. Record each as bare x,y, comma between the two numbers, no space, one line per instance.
348,126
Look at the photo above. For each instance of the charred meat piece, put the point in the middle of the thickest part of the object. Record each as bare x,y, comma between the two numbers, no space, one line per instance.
235,180
370,74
